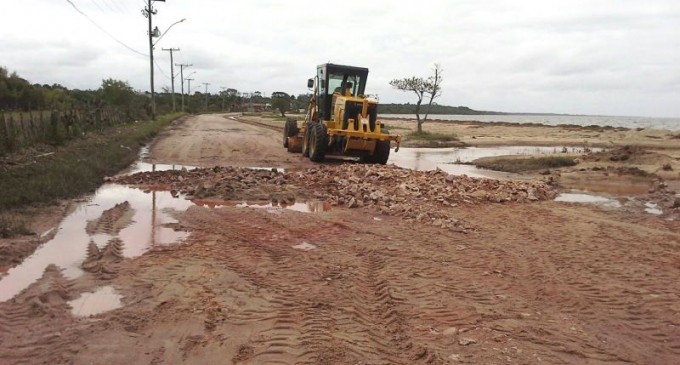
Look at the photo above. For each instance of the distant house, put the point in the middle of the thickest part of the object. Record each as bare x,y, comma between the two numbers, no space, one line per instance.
257,107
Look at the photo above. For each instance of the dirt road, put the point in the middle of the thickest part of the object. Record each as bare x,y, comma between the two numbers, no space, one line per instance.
402,277
213,140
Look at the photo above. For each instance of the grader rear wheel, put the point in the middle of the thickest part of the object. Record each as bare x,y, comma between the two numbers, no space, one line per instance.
290,129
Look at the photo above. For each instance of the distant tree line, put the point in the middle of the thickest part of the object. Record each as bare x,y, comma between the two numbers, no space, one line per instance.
18,94
434,109
232,100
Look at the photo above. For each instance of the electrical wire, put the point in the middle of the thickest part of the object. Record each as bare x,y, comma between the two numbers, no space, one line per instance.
117,5
97,5
161,70
104,30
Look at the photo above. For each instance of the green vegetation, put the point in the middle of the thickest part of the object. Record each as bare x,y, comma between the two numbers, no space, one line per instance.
522,163
434,109
432,136
11,226
282,102
78,166
57,143
394,127
431,140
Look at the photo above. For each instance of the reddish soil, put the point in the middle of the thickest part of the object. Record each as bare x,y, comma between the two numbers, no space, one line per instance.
493,273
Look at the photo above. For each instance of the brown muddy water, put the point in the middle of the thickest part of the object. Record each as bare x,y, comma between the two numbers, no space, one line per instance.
101,300
312,206
457,161
147,229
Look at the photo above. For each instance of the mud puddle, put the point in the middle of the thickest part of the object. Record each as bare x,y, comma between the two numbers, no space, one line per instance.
653,208
312,206
101,300
620,187
588,199
625,202
142,165
138,219
456,160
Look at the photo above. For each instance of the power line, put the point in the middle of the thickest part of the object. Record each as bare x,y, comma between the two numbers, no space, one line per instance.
104,30
108,5
97,5
161,70
118,6
125,7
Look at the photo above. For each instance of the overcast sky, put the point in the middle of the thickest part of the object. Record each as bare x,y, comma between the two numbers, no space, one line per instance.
612,57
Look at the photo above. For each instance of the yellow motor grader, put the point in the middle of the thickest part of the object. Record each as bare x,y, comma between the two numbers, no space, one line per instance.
340,119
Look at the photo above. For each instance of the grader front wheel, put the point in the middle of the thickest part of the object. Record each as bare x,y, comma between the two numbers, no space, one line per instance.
318,142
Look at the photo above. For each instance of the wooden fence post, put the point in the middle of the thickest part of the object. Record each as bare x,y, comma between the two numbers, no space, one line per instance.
54,127
3,134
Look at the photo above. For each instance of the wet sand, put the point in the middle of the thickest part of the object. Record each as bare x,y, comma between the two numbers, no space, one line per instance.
533,281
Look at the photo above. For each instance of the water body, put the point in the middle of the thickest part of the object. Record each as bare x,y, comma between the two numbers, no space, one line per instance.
672,124
454,159
101,300
152,212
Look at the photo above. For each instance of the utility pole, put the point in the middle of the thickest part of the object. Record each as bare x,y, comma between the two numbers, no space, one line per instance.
149,12
189,92
206,95
172,75
181,72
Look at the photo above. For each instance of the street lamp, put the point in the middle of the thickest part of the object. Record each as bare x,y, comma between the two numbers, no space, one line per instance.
149,12
161,35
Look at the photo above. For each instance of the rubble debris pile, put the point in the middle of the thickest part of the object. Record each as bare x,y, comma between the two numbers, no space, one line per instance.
390,190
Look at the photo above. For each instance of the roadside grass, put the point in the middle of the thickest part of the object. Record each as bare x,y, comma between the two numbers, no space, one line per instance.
395,128
432,136
77,167
523,164
11,226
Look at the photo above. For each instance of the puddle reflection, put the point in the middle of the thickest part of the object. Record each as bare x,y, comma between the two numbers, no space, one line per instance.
653,208
312,206
68,248
102,300
142,166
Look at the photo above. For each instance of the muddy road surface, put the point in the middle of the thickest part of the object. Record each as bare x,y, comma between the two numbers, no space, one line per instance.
340,264
211,140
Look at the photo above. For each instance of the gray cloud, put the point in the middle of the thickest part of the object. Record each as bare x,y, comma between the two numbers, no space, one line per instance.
576,56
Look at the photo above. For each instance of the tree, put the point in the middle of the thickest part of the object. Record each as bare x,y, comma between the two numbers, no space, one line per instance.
435,88
115,92
281,101
421,87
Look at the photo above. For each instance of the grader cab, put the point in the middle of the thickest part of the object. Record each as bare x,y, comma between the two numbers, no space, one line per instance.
340,119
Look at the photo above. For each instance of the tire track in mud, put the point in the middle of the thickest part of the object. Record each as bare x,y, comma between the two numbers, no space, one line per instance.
306,319
42,312
287,327
387,292
579,280
257,124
